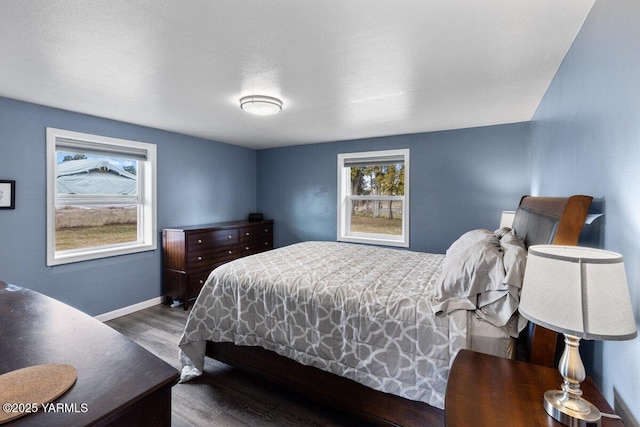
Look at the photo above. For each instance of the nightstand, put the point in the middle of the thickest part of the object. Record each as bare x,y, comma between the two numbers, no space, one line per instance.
486,391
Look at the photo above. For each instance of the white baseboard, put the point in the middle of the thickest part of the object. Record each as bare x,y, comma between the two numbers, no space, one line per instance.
128,310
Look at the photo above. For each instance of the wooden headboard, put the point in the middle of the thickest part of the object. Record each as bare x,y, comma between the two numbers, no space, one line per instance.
544,221
551,220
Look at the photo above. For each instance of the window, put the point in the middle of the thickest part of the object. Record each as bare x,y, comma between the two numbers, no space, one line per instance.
373,197
101,196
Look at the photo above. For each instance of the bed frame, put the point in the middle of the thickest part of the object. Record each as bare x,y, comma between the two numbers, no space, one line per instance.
539,220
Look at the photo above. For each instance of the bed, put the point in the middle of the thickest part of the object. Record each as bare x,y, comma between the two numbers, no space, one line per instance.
374,330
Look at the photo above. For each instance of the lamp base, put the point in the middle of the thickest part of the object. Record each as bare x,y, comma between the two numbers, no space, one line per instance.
586,416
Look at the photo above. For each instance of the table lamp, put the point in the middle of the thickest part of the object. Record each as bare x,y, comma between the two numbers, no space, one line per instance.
506,218
582,293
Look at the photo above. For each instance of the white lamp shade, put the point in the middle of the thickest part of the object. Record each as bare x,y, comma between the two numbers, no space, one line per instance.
578,291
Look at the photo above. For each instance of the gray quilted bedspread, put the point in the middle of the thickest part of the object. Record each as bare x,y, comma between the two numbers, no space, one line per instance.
358,311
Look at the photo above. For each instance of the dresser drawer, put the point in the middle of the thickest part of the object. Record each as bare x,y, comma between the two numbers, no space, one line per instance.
211,239
197,279
255,246
256,233
213,256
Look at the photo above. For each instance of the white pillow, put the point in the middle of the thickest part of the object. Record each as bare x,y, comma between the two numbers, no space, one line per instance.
467,240
482,271
473,264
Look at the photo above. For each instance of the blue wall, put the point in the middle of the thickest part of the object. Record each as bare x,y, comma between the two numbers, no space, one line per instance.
586,139
459,180
199,181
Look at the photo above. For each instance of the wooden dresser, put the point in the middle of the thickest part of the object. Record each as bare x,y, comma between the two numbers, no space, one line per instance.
189,254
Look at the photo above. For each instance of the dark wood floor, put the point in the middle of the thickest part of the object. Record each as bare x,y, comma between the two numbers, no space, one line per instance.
223,396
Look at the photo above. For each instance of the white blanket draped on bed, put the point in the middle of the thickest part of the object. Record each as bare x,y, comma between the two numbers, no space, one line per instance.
358,311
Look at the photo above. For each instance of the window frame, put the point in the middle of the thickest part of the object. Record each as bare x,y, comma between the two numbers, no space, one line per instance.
344,234
146,199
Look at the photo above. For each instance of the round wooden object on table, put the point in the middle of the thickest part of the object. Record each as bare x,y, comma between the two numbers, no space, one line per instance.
23,391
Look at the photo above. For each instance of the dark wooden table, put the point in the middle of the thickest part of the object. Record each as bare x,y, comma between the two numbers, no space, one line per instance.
489,391
119,382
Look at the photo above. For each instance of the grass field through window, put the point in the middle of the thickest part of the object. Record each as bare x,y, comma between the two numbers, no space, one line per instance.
380,225
83,228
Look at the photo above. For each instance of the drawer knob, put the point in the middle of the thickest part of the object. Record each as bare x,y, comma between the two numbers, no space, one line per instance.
266,230
247,233
199,258
246,247
229,237
199,241
266,243
201,281
230,252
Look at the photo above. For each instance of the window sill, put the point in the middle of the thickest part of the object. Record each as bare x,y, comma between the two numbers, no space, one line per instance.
99,253
374,241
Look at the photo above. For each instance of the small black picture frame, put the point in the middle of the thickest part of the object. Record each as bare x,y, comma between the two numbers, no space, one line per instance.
7,194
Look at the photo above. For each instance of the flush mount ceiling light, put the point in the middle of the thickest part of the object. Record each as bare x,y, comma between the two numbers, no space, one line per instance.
261,105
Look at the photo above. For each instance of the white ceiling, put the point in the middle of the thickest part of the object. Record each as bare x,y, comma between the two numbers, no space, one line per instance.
344,69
